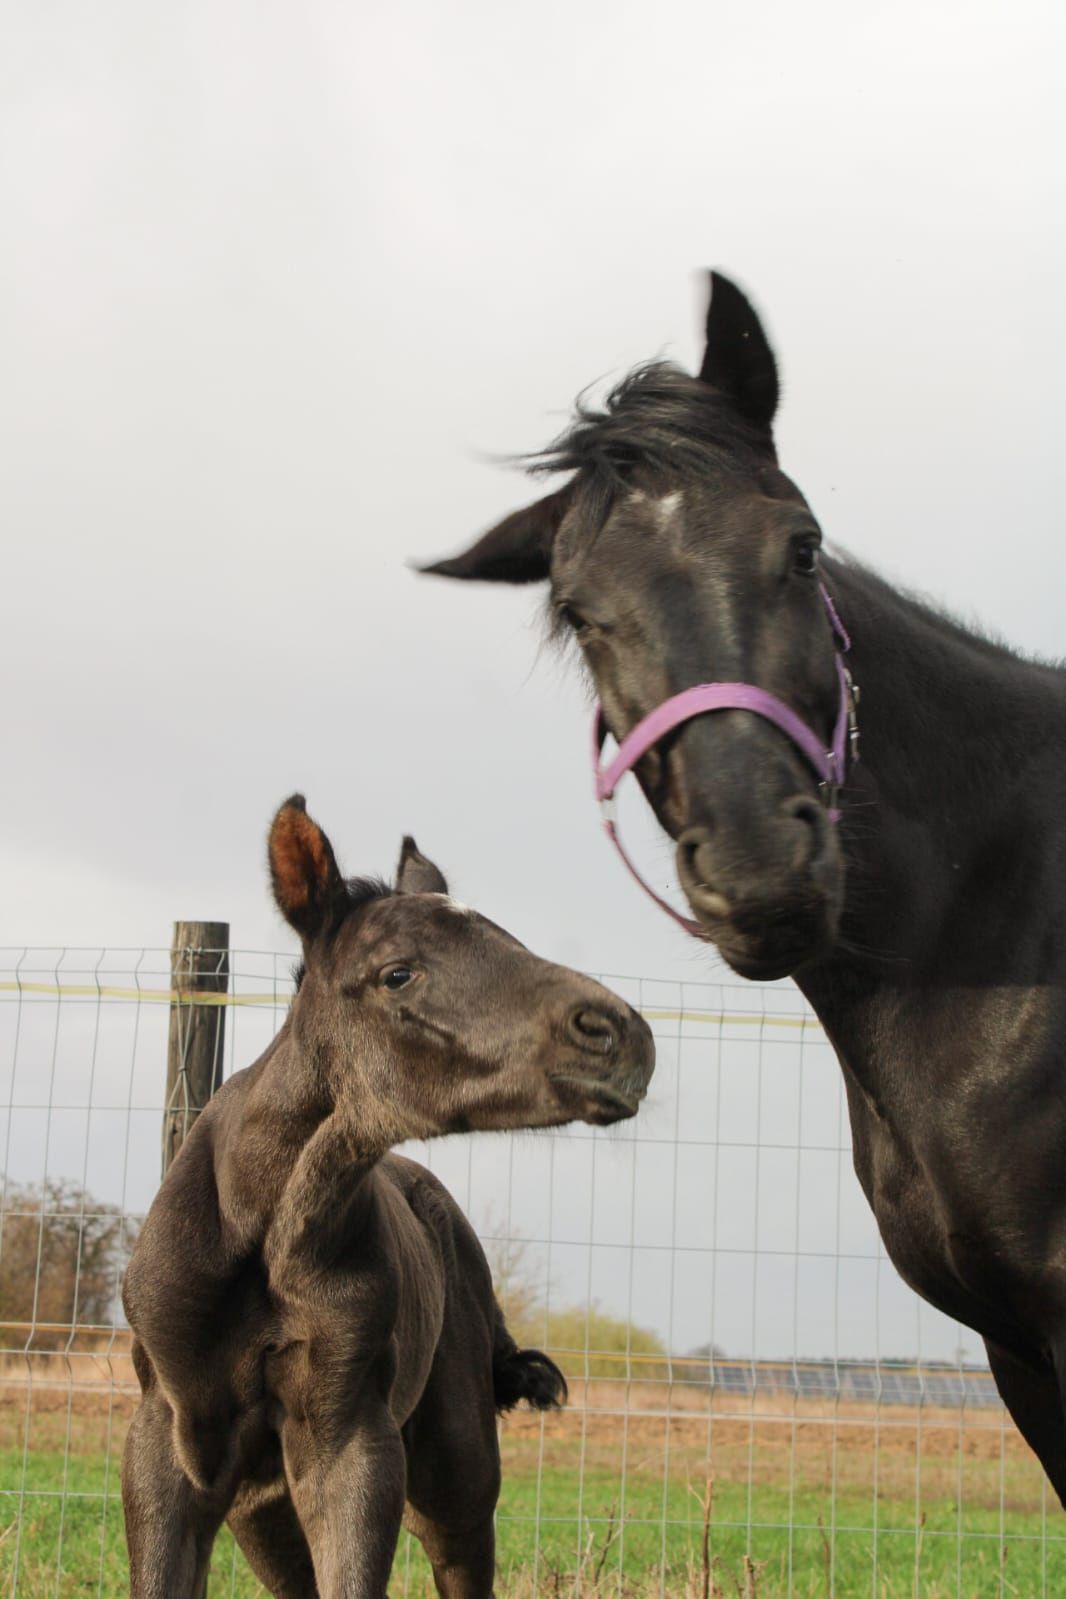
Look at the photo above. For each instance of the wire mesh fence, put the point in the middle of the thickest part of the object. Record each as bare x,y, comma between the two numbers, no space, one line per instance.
758,1405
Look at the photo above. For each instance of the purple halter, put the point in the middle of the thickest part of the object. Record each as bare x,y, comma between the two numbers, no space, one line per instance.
829,764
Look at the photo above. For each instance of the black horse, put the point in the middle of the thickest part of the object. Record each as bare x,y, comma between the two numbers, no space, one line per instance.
928,926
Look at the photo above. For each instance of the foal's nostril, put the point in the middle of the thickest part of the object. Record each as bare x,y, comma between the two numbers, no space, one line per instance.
596,1030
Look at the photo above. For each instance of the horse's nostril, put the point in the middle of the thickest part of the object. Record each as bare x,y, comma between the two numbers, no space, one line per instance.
595,1030
696,867
689,845
804,809
811,842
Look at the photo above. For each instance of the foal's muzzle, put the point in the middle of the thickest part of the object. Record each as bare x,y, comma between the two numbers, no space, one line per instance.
611,1059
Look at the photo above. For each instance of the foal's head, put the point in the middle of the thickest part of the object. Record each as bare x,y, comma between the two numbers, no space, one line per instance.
678,553
428,1018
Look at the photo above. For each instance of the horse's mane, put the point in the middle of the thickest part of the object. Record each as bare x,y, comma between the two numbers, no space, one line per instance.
658,423
872,589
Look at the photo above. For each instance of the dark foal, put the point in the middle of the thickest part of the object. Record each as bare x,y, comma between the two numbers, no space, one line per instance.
926,926
315,1330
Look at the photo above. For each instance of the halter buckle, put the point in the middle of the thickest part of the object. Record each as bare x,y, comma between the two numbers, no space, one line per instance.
854,696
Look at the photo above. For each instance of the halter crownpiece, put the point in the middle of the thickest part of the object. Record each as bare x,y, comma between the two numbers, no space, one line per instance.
829,764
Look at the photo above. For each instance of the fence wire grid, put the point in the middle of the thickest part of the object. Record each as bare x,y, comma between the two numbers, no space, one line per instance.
758,1406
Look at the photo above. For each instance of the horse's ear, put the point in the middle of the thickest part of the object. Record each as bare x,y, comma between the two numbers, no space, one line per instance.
417,875
738,359
308,888
516,550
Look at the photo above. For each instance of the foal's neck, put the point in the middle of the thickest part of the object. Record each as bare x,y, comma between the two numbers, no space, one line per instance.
299,1155
942,809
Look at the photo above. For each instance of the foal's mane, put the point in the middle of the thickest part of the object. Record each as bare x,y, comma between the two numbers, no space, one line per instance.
362,891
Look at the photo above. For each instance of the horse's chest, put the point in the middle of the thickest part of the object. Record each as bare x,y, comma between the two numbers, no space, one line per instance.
959,1178
912,1219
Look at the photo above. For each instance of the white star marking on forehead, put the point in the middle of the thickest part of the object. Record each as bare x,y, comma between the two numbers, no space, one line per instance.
665,509
454,904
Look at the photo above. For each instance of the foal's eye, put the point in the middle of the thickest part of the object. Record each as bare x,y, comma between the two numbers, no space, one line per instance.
396,977
805,559
573,620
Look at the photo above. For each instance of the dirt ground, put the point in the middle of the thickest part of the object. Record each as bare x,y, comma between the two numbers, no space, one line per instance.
92,1392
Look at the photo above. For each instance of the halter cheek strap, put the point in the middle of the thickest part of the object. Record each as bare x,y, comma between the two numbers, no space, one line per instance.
829,765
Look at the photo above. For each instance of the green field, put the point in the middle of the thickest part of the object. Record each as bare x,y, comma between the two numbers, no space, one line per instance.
573,1520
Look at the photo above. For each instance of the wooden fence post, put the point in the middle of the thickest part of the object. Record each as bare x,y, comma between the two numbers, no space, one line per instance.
199,965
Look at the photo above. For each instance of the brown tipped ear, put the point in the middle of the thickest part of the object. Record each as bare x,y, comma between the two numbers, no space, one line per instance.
738,359
308,887
417,875
516,550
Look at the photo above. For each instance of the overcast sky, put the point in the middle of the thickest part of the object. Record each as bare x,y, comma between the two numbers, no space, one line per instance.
276,283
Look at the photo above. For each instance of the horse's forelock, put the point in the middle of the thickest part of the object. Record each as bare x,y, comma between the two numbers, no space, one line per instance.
657,426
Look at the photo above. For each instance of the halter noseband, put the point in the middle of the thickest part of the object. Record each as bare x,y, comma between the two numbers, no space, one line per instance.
829,764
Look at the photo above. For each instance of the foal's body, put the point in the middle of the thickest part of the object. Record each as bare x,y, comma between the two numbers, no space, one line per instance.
369,1322
316,1334
928,929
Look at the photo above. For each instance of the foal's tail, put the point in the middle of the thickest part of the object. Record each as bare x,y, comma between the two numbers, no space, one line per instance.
523,1373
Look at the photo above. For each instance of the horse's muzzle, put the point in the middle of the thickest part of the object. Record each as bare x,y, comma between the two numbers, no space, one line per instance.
767,917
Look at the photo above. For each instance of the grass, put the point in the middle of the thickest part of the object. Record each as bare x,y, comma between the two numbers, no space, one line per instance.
805,1543
618,1512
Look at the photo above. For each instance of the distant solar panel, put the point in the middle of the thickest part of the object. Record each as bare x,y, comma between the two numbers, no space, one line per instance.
866,1383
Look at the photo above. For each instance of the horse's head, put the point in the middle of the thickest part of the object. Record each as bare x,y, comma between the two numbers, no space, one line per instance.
679,554
428,1018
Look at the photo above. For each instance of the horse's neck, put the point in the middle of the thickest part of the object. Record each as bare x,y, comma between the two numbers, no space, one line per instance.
947,718
943,808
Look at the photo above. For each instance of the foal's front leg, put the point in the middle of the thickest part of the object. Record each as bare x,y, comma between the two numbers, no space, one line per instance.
349,1496
170,1524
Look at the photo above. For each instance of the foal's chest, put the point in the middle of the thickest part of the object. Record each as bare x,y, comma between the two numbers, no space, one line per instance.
373,1315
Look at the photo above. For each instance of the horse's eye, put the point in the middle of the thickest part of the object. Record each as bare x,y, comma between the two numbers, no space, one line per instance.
396,977
805,559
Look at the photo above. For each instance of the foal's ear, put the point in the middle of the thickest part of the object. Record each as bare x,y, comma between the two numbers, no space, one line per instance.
308,887
516,550
417,875
738,359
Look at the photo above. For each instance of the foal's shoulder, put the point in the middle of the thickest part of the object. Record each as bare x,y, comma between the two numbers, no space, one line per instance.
185,1242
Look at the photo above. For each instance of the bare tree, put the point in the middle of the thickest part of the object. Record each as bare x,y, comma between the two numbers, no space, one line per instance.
514,1276
62,1254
